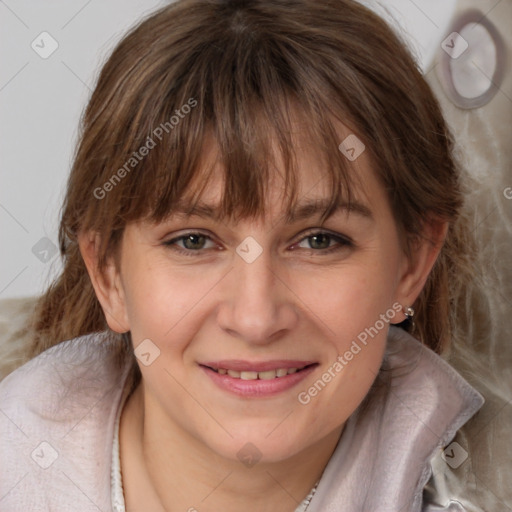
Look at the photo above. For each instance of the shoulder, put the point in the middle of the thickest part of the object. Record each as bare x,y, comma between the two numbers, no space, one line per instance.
77,367
57,415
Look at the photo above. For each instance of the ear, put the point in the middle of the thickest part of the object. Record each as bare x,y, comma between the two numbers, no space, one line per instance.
417,267
107,282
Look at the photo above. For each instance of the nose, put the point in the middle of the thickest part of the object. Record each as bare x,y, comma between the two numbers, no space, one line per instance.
258,305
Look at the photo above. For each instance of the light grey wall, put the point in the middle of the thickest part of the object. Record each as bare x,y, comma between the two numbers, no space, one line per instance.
42,95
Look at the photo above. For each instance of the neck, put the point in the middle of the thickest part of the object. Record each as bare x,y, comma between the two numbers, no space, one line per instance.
170,467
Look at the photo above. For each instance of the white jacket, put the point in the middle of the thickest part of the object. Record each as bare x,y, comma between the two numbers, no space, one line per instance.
57,416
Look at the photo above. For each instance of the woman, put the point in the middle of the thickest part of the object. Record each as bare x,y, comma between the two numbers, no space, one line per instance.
261,190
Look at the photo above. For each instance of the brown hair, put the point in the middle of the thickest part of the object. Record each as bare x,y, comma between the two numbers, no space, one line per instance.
245,69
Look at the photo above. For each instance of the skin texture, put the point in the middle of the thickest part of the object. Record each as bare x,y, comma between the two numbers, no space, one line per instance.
180,434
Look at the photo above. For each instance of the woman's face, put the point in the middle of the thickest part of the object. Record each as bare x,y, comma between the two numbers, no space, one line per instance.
296,313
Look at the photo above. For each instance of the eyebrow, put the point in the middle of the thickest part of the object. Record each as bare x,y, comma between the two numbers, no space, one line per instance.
310,208
302,210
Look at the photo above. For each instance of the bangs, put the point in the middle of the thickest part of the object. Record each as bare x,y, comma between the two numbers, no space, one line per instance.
254,153
250,99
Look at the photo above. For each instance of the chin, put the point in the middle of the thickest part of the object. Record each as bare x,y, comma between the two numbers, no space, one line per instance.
260,445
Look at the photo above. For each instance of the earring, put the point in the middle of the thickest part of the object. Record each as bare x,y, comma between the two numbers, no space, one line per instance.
409,312
409,316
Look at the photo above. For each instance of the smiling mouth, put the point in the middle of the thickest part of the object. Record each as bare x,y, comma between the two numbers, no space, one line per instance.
263,375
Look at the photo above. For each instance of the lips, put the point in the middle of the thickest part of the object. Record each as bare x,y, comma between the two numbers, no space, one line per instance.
257,378
240,365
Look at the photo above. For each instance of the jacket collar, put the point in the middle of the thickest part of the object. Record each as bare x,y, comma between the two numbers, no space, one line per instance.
382,461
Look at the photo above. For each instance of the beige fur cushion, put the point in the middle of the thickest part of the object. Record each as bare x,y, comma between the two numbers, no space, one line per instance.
14,336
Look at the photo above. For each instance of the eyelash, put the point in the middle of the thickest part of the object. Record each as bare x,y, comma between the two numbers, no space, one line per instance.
343,242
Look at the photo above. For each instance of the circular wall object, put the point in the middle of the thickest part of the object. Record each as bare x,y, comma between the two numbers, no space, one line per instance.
471,61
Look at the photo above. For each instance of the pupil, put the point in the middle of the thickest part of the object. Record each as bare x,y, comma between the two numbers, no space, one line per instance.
194,241
320,241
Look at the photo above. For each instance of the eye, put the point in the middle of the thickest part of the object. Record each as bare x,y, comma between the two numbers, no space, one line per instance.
190,242
322,241
194,243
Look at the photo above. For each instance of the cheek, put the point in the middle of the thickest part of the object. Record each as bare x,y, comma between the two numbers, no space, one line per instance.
349,299
354,306
354,356
148,303
161,301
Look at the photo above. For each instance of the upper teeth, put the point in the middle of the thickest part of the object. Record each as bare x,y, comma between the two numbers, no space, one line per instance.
266,375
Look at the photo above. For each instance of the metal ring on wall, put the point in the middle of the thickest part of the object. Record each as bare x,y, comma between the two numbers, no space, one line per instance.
471,61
